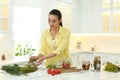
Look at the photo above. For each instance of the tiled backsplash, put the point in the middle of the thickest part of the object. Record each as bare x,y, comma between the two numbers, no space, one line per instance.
102,43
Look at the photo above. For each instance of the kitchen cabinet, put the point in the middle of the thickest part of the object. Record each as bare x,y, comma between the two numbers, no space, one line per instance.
3,15
90,17
87,16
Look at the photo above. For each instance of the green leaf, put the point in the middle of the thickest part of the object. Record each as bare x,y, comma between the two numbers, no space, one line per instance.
50,66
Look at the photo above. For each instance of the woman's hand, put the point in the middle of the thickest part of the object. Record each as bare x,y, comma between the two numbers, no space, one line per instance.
33,58
39,61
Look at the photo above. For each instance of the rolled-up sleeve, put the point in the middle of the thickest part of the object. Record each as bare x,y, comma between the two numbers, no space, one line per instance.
64,43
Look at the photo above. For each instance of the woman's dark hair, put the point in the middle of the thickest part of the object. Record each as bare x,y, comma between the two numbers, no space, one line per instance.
58,14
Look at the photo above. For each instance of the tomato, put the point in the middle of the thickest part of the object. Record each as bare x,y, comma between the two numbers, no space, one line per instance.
49,71
56,71
66,66
53,73
59,71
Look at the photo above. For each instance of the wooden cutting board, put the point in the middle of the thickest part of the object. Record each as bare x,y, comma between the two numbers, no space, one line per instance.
71,69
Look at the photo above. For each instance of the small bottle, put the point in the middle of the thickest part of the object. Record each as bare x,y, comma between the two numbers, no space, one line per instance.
92,49
3,57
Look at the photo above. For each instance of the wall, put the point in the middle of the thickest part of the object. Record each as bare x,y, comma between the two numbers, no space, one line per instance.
103,43
90,18
6,45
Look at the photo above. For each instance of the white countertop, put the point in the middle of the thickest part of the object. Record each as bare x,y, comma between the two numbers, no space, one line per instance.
41,74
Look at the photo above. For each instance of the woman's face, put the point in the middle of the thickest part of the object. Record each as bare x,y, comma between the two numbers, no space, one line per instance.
53,21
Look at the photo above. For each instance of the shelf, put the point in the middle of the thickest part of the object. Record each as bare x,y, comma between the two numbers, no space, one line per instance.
3,17
4,4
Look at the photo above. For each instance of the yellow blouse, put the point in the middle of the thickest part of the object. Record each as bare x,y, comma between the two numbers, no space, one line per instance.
60,46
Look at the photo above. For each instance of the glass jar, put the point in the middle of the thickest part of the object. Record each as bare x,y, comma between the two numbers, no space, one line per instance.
85,65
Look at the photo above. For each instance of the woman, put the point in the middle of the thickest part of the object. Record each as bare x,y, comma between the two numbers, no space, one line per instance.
55,42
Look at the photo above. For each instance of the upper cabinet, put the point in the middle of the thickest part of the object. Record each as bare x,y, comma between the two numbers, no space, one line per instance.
80,16
3,15
96,16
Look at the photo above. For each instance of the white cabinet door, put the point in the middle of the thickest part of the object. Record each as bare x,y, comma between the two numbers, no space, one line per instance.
86,16
3,15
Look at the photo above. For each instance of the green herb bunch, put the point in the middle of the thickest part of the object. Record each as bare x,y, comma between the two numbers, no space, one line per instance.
111,67
15,69
12,69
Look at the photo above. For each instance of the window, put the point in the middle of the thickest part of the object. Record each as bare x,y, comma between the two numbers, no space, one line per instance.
65,8
26,25
111,16
3,15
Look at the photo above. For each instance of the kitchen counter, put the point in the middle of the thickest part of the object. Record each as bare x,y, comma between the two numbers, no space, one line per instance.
41,74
